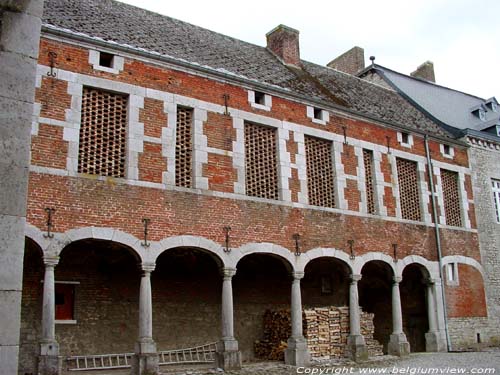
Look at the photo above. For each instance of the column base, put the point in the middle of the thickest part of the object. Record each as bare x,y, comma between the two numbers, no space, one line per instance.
145,360
228,357
358,351
297,353
49,365
399,345
434,342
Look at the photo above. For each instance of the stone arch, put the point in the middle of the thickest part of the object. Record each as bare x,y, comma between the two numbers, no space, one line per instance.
319,252
372,256
285,255
429,267
36,235
464,260
95,233
197,242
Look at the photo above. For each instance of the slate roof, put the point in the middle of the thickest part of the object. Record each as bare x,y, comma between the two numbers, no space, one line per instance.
128,25
453,108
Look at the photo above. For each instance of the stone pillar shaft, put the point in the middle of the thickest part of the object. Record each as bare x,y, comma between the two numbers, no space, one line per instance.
355,341
431,308
145,308
228,356
397,315
227,305
48,307
297,353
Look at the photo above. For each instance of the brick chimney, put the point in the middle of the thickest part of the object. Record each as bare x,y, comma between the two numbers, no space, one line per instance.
283,41
349,62
425,71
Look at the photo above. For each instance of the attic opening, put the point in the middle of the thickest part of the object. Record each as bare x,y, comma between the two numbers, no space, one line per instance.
405,138
260,98
106,59
318,113
446,149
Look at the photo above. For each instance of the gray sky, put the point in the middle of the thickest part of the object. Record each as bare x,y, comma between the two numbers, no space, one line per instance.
461,37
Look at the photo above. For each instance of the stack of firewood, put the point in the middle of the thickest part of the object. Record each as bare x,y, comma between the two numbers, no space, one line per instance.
326,330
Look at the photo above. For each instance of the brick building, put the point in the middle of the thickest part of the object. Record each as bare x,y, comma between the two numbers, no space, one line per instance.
183,182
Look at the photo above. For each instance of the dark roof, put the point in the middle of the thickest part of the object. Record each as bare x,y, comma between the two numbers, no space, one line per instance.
452,108
128,25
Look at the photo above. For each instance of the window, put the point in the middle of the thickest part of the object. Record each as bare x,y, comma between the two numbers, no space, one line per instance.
65,302
106,59
319,172
184,148
261,161
451,198
370,196
317,115
451,270
405,139
409,196
496,197
103,133
447,151
259,100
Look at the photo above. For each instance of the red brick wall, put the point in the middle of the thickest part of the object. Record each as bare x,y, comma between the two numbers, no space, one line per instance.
153,117
152,163
54,98
468,298
48,148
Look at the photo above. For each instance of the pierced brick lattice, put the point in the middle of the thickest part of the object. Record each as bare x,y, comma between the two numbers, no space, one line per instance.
319,172
408,189
451,197
103,133
370,196
261,161
184,148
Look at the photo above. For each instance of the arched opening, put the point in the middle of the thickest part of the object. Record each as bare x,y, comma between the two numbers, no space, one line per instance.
414,306
262,282
375,291
325,299
97,298
326,283
186,289
31,307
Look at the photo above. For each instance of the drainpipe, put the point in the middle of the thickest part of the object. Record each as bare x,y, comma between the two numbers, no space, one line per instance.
438,240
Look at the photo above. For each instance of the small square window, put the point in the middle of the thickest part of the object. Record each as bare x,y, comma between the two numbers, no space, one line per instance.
405,138
318,114
106,59
446,149
260,98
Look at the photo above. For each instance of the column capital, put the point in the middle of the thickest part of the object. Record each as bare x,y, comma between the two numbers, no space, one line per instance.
148,267
228,272
51,261
397,279
297,275
429,281
355,278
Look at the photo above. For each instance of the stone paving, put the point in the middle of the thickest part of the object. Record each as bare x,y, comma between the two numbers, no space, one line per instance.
484,362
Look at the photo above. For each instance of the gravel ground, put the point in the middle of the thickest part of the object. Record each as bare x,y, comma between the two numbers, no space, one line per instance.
484,362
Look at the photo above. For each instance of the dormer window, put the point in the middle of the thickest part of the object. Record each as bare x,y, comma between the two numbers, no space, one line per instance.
259,100
318,115
492,104
482,114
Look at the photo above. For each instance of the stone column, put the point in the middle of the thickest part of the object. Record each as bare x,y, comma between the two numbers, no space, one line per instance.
355,341
20,23
431,337
437,341
228,355
49,361
398,344
297,353
145,360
